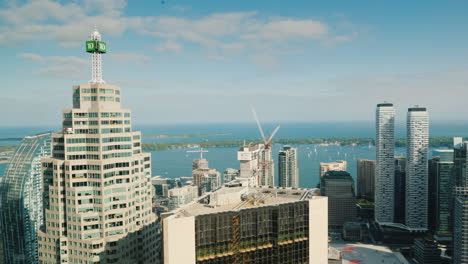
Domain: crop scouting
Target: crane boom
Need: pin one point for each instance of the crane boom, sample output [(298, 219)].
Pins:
[(268, 141), (259, 125)]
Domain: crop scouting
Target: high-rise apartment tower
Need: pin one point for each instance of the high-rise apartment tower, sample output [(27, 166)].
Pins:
[(417, 145), (287, 167), (385, 166)]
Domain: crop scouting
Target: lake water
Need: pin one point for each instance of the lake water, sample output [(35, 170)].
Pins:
[(177, 162)]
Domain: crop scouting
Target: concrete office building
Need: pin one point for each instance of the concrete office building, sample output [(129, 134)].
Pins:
[(97, 185), (230, 174), (21, 212), (400, 189), (339, 165), (460, 231), (248, 225), (206, 179), (266, 168), (182, 195), (365, 179), (338, 186), (417, 169), (287, 167), (384, 166), (248, 157), (440, 191)]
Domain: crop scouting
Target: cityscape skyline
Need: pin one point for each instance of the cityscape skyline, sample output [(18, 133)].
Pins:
[(91, 191), (313, 47)]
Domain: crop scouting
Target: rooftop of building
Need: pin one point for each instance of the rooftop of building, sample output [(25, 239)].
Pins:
[(367, 253), (242, 197), (417, 109), (337, 175), (384, 104)]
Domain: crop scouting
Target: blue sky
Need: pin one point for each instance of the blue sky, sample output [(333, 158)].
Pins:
[(210, 60)]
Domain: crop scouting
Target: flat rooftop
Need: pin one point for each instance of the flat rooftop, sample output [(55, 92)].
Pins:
[(238, 198), (357, 253)]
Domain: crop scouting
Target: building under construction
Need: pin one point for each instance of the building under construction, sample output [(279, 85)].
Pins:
[(248, 225)]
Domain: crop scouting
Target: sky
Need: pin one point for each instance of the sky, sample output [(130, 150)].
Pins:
[(209, 61)]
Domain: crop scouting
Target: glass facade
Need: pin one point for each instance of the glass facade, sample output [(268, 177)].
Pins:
[(21, 200)]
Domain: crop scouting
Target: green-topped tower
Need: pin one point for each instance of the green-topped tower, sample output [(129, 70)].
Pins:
[(97, 189)]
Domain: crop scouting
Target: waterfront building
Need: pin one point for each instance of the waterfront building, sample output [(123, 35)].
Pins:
[(97, 185), (266, 167), (248, 225), (417, 169), (460, 229), (365, 179), (248, 157), (440, 190), (182, 195), (338, 186), (339, 165), (384, 166), (400, 189), (287, 167), (21, 212), (230, 174)]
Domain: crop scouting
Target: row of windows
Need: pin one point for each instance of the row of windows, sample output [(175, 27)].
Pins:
[(103, 131), (94, 115), (83, 148), (117, 155), (116, 173), (82, 140), (85, 167), (116, 139), (116, 147), (83, 157)]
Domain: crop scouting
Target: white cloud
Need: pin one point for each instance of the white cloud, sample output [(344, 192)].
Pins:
[(228, 34), (289, 30), (55, 66), (169, 46), (129, 57)]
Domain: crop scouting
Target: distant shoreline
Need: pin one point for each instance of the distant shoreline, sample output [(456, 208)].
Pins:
[(400, 142)]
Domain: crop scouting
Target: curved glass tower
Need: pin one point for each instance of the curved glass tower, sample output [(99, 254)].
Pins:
[(21, 200)]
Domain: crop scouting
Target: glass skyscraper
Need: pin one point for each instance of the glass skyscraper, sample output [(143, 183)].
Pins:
[(21, 200)]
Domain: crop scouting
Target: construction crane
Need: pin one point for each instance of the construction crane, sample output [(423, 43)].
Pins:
[(201, 151), (266, 141)]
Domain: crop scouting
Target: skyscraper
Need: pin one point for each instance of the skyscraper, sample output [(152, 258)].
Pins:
[(385, 167), (440, 191), (400, 189), (248, 157), (97, 188), (417, 169), (460, 160), (460, 229), (338, 186), (365, 179), (266, 167), (339, 165), (287, 167), (21, 200)]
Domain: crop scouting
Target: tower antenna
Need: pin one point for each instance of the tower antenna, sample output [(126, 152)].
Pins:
[(96, 47)]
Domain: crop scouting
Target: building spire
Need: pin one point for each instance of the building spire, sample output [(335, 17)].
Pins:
[(96, 47)]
